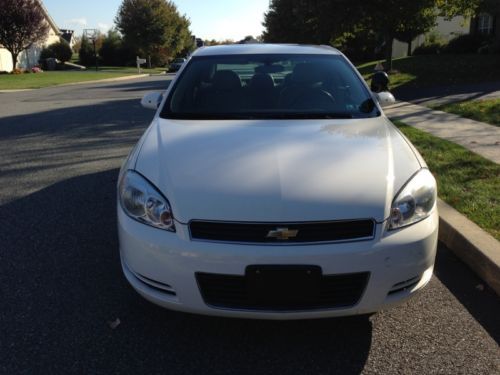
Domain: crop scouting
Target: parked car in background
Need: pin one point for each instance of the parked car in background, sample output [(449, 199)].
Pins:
[(271, 185), (176, 64)]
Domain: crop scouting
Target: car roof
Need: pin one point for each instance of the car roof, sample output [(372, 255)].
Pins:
[(261, 48)]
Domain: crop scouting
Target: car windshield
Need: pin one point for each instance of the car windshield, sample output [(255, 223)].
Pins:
[(269, 86)]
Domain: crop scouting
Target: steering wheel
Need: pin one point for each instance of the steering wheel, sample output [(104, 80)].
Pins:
[(314, 98)]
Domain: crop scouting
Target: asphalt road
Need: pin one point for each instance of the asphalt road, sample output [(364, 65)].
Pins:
[(61, 282)]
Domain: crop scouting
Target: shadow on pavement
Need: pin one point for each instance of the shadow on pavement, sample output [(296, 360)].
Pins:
[(158, 85), (446, 93), (61, 284), (484, 305)]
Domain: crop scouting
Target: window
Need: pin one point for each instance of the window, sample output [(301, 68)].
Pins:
[(485, 24), (269, 87)]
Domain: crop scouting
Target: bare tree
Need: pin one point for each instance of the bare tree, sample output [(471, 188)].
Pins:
[(22, 24)]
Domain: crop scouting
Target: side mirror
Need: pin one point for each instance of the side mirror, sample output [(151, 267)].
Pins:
[(152, 100), (385, 98)]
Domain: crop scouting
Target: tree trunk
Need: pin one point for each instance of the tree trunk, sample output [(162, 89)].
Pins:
[(389, 40), (14, 60), (409, 47)]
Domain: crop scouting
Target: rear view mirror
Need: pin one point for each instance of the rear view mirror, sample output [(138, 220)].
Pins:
[(152, 100), (380, 88)]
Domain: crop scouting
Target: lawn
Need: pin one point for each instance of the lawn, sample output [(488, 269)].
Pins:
[(45, 79), (481, 110), (39, 80), (466, 181), (439, 70)]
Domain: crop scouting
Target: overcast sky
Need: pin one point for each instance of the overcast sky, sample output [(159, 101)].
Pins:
[(210, 19)]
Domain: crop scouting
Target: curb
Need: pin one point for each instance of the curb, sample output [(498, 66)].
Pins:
[(105, 80), (123, 78), (478, 249)]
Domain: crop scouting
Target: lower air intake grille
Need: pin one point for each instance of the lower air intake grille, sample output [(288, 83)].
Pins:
[(237, 292), (282, 232)]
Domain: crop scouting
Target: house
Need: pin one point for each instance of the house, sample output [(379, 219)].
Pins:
[(486, 22), (444, 30), (30, 57), (68, 36)]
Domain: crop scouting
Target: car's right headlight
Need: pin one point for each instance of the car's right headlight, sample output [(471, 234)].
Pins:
[(143, 202), (415, 201)]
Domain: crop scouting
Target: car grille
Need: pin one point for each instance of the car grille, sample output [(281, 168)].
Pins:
[(301, 232), (232, 291)]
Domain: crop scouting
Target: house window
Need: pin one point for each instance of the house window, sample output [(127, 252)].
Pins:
[(485, 23)]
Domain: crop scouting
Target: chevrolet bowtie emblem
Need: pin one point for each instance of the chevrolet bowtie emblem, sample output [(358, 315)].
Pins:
[(282, 234)]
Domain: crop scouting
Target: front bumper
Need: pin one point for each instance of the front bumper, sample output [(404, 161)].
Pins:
[(161, 266)]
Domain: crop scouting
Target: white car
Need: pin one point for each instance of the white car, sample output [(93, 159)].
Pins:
[(271, 185)]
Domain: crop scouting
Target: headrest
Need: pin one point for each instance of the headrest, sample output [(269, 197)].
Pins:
[(262, 81), (306, 73), (226, 80)]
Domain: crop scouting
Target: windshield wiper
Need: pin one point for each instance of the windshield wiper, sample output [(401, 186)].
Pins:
[(259, 116)]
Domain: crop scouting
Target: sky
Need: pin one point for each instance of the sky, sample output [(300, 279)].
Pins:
[(210, 19)]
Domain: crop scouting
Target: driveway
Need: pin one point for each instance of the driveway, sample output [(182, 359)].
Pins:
[(61, 282)]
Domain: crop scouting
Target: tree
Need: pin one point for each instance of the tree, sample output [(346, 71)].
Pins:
[(340, 22), (86, 53), (420, 23), (22, 24), (311, 21), (153, 28)]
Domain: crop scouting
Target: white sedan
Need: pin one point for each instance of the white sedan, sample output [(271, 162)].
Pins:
[(271, 185)]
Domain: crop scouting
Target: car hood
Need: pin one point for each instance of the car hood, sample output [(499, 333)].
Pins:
[(277, 170)]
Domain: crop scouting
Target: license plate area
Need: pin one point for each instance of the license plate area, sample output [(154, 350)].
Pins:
[(283, 286)]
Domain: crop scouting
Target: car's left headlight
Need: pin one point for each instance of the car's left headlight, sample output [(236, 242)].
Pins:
[(415, 201), (143, 202)]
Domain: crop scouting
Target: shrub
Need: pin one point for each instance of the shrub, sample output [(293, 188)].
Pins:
[(59, 50), (62, 51), (113, 51), (86, 53), (46, 53), (493, 47), (428, 49), (466, 44)]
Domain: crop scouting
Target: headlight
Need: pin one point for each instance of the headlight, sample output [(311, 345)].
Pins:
[(415, 201), (143, 202)]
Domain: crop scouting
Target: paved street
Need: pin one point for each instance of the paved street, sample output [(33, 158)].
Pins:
[(61, 282)]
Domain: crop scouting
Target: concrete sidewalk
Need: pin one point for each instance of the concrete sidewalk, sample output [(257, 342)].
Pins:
[(481, 138)]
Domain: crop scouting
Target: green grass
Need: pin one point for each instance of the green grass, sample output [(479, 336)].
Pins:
[(481, 110), (439, 70), (466, 181), (46, 79)]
